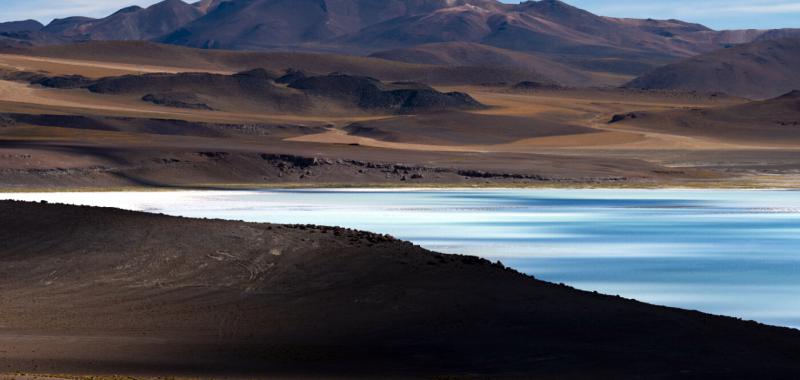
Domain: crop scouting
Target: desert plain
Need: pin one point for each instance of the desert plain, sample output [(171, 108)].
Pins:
[(523, 135)]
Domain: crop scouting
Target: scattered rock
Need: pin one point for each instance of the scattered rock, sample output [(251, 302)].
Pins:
[(176, 100), (531, 86), (620, 117)]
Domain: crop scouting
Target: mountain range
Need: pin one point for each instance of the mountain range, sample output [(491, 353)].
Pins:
[(560, 41), (369, 26), (757, 70)]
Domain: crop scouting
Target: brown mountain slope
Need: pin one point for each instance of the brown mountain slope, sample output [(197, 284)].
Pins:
[(770, 122), (548, 26), (105, 291), (478, 55), (271, 24), (208, 5), (757, 70), (61, 26), (777, 34), (20, 26), (573, 35), (553, 27), (147, 53), (132, 23), (365, 26)]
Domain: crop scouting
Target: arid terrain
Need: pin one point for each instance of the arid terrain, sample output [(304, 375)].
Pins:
[(76, 117), (234, 94), (103, 291)]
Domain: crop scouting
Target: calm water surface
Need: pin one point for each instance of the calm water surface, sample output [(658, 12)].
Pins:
[(725, 252)]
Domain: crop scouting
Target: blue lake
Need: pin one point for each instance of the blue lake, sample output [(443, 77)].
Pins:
[(730, 252)]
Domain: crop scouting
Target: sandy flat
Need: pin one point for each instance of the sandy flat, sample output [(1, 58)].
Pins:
[(90, 69), (337, 136)]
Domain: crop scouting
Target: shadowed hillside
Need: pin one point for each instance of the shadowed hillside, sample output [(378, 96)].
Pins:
[(774, 121), (758, 70), (147, 53), (116, 291), (131, 23), (20, 26), (456, 54), (550, 28)]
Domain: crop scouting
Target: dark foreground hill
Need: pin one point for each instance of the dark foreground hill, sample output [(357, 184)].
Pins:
[(88, 290), (758, 70)]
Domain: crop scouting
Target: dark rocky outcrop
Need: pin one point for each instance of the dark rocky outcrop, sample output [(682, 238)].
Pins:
[(204, 90), (291, 75), (64, 81), (371, 94), (6, 121), (532, 86), (620, 117), (41, 79), (177, 100)]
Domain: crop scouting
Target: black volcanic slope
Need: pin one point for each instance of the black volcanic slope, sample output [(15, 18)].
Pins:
[(89, 290), (758, 70)]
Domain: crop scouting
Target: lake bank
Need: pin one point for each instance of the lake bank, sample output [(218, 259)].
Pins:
[(684, 248), (103, 291)]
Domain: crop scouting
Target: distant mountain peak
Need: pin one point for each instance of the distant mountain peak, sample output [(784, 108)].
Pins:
[(553, 8), (20, 26), (131, 9), (551, 27), (130, 23)]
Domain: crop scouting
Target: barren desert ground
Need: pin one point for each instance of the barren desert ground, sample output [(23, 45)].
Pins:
[(553, 193), (98, 291), (543, 137)]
